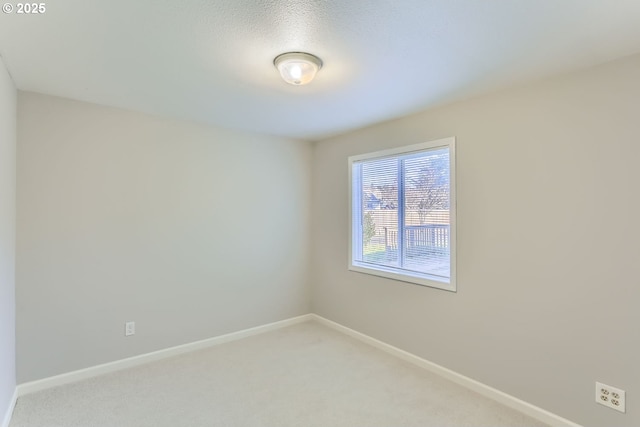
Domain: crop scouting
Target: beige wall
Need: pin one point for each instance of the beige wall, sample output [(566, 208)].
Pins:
[(548, 243), (7, 239), (193, 232), (187, 230)]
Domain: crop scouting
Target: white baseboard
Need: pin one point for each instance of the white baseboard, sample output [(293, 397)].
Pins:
[(9, 413), (94, 371), (483, 389)]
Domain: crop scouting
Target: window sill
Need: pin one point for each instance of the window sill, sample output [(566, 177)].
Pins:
[(416, 278)]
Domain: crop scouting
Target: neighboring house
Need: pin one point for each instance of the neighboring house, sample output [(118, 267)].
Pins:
[(372, 202)]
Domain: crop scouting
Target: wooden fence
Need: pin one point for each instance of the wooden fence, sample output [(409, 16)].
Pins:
[(435, 236)]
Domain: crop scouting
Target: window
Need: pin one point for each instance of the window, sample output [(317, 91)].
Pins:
[(402, 213)]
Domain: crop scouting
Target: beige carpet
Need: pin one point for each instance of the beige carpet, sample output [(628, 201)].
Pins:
[(303, 375)]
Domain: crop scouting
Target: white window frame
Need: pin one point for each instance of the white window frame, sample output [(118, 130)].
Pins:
[(391, 273)]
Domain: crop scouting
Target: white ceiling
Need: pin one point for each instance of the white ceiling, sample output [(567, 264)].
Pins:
[(211, 60)]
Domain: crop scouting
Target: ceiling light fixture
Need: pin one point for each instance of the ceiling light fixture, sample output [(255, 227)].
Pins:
[(297, 68)]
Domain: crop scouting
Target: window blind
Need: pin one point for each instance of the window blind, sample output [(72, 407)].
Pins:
[(401, 213)]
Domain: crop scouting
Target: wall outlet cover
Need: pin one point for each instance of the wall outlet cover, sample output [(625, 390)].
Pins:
[(611, 397), (129, 328)]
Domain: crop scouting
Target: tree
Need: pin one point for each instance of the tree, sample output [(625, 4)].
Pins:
[(430, 187), (368, 229)]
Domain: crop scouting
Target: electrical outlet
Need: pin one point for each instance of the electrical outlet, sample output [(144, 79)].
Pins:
[(129, 328), (609, 396)]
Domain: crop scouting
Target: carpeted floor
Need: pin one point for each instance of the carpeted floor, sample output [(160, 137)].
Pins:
[(302, 375)]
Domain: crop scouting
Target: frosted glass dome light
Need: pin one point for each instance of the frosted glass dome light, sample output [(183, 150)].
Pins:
[(297, 68)]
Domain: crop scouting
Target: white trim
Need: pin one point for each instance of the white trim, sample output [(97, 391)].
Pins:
[(453, 216), (406, 149), (12, 405), (483, 389), (105, 368)]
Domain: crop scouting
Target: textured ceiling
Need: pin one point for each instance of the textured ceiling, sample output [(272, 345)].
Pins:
[(211, 60)]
